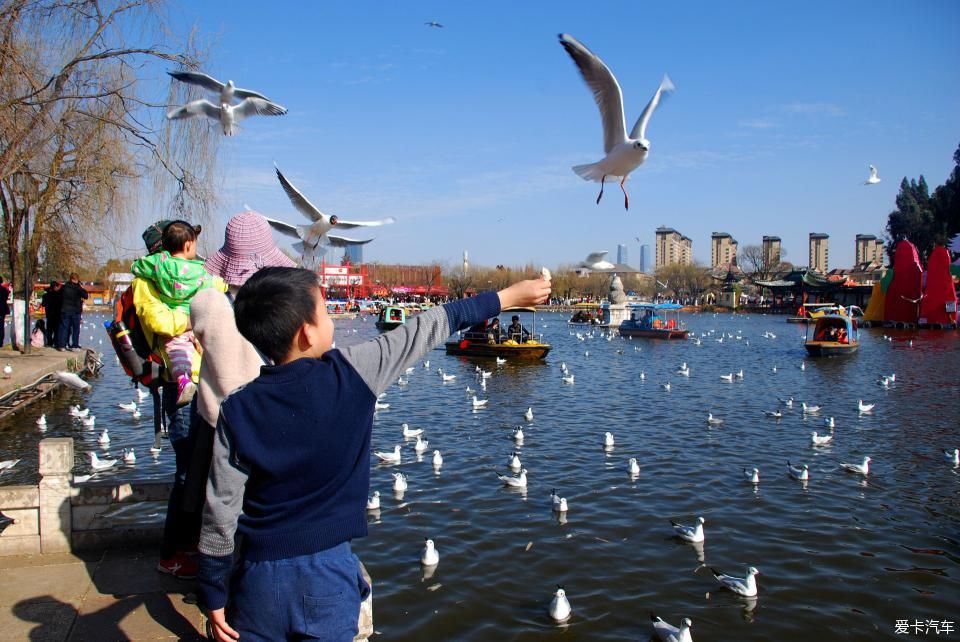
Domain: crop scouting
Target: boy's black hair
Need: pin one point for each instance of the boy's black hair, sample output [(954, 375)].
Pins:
[(175, 236), (272, 305)]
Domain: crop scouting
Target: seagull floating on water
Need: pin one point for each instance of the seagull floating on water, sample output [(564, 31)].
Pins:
[(865, 407), (810, 410), (518, 435), (623, 154), (421, 445), (773, 414), (129, 456), (479, 403), (437, 459), (446, 377), (560, 606), (399, 482), (952, 456), (820, 440), (528, 415), (801, 472), (430, 556), (390, 458), (100, 464), (104, 438), (608, 441), (669, 633), (830, 423), (42, 420), (128, 407), (788, 402), (666, 386), (860, 469), (689, 533), (747, 587), (500, 361), (713, 421), (373, 503), (514, 482), (7, 464), (727, 377), (411, 432), (88, 421), (567, 378), (142, 394), (515, 464), (752, 475), (633, 468)]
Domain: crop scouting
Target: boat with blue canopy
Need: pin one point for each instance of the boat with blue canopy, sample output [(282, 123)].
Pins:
[(654, 321)]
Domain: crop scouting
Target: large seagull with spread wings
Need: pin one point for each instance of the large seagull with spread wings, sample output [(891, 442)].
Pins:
[(623, 153)]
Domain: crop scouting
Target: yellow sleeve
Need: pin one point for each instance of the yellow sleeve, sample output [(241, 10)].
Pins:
[(155, 317)]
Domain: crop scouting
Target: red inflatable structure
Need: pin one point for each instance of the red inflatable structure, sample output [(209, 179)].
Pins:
[(902, 304), (939, 304)]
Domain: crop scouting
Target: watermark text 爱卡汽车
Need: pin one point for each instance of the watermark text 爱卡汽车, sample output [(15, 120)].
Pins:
[(924, 627)]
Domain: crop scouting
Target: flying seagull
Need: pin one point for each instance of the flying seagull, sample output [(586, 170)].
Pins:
[(623, 154), (228, 115), (596, 261), (434, 24), (874, 179), (321, 223), (227, 91)]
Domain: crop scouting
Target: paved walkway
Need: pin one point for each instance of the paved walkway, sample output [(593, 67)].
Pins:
[(27, 368), (115, 595)]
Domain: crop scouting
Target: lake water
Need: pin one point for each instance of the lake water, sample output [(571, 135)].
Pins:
[(840, 556)]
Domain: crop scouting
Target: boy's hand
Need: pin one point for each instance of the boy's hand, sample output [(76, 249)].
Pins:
[(219, 629), (524, 294)]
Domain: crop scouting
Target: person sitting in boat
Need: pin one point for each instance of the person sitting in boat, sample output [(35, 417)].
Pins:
[(494, 332), (477, 330), (395, 315), (516, 331), (842, 336)]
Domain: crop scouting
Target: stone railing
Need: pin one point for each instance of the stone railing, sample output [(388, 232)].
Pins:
[(57, 516)]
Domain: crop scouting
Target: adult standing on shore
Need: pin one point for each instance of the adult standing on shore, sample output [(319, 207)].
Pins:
[(4, 309), (52, 301), (71, 313)]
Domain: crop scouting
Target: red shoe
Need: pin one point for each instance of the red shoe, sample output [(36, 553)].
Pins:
[(180, 566)]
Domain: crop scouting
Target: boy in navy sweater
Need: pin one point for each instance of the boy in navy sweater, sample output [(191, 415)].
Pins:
[(291, 461)]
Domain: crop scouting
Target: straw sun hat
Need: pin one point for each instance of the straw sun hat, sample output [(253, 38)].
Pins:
[(247, 247)]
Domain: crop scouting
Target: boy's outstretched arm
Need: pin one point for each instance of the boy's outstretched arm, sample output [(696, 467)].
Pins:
[(381, 361)]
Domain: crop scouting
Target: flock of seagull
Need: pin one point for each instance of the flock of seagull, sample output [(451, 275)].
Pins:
[(560, 609)]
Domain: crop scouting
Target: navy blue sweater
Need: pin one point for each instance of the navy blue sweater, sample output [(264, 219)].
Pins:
[(291, 463)]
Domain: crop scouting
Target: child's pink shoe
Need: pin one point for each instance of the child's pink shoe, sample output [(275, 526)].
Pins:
[(185, 390)]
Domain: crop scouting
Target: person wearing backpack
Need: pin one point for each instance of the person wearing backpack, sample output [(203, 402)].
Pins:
[(181, 529)]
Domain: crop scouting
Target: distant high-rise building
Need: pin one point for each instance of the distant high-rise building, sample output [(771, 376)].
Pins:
[(869, 249), (771, 250), (622, 254), (672, 247), (644, 258), (354, 253), (820, 252), (723, 249)]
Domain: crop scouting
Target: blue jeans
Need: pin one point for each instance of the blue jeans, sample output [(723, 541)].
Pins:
[(181, 528), (311, 597), (69, 335)]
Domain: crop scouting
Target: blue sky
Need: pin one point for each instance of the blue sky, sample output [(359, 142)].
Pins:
[(466, 134)]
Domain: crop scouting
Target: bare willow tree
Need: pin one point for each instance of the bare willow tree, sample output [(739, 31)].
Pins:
[(758, 264), (82, 134)]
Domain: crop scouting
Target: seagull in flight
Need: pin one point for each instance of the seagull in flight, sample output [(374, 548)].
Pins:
[(227, 91), (596, 261), (316, 235), (434, 24), (623, 153), (874, 179), (228, 115)]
